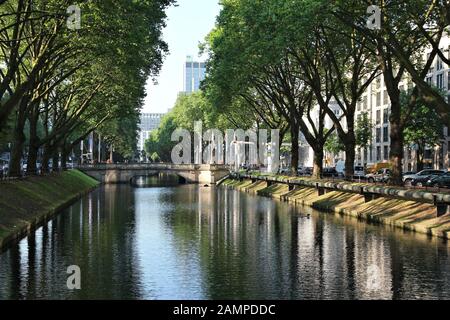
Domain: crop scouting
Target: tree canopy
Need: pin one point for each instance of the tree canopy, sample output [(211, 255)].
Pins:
[(61, 83)]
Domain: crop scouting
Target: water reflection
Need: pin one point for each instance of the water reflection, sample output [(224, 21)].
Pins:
[(94, 234), (192, 242)]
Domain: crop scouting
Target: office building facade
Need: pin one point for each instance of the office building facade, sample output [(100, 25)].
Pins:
[(193, 74), (149, 123), (376, 103)]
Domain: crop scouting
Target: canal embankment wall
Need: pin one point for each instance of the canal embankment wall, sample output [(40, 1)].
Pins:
[(412, 215), (26, 204)]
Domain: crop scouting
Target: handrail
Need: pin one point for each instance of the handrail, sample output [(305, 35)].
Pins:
[(150, 166), (343, 186)]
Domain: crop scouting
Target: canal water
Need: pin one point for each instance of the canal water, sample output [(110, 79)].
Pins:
[(193, 242)]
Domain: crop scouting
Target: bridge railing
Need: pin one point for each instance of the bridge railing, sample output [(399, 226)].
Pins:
[(151, 166), (370, 192)]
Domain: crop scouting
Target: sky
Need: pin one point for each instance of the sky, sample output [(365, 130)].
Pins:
[(187, 26)]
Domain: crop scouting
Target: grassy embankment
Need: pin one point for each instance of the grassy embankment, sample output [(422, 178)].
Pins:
[(24, 204), (408, 215)]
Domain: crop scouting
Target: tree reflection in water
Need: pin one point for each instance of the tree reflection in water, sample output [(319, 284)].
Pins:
[(192, 242)]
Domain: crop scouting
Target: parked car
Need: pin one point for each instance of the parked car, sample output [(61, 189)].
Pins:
[(409, 176), (286, 171), (359, 171), (421, 178), (330, 173), (374, 168), (4, 168), (442, 181), (382, 175), (308, 171)]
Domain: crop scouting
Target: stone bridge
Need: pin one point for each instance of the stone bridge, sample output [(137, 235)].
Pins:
[(124, 173)]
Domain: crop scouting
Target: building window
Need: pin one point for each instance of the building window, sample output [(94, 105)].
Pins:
[(385, 134), (429, 80), (440, 81), (439, 64), (448, 80), (378, 135), (386, 153), (378, 153), (378, 99), (386, 116), (378, 117), (385, 98), (365, 101)]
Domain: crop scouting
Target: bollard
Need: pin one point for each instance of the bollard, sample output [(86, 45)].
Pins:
[(442, 208), (320, 190)]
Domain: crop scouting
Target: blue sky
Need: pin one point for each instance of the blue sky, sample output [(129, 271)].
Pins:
[(187, 26)]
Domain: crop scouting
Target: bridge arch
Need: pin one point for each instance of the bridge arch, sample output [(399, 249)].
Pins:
[(162, 176), (124, 173)]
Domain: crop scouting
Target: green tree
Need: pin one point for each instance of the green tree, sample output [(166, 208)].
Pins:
[(399, 43), (424, 129), (334, 144), (160, 141), (63, 84), (364, 128), (258, 35), (188, 109)]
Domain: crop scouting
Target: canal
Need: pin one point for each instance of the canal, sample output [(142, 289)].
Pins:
[(192, 242)]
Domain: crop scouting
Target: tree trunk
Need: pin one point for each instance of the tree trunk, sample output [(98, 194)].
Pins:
[(420, 157), (350, 155), (64, 156), (32, 158), (55, 160), (34, 146), (295, 149), (396, 154), (318, 162), (46, 158), (15, 167)]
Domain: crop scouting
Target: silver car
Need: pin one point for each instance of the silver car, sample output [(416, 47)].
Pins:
[(422, 175)]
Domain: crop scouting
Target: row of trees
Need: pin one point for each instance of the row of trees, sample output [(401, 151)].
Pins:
[(285, 61), (67, 71), (188, 109)]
